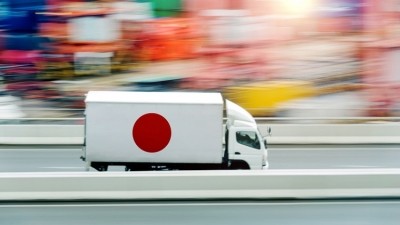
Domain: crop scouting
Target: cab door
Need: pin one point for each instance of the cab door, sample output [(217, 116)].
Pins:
[(245, 145)]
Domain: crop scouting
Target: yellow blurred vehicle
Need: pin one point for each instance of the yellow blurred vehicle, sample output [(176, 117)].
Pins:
[(263, 98)]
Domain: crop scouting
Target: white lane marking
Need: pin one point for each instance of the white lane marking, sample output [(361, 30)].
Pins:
[(199, 204)]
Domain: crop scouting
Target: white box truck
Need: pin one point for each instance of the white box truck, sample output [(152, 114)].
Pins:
[(169, 131)]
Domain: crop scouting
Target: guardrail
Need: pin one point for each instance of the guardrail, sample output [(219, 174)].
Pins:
[(179, 185), (371, 133), (327, 120)]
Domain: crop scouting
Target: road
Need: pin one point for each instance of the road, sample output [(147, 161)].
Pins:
[(288, 212), (360, 212), (56, 159)]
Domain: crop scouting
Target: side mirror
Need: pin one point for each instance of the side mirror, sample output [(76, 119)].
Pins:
[(269, 131)]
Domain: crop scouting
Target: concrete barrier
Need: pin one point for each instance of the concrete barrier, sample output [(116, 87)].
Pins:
[(379, 133), (385, 133), (170, 185), (42, 134)]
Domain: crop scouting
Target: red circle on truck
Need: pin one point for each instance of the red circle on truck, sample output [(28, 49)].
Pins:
[(151, 132)]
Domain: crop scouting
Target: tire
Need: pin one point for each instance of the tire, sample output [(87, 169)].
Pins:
[(239, 165), (100, 166)]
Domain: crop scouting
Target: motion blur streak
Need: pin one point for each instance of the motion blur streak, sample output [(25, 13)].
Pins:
[(275, 58)]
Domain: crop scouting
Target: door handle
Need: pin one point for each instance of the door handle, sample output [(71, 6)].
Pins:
[(237, 153)]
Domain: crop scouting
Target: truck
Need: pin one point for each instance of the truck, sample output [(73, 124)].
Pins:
[(179, 130)]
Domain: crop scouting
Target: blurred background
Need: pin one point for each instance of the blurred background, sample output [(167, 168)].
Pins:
[(276, 58)]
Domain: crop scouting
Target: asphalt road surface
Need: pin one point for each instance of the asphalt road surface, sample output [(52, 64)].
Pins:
[(57, 159), (356, 212)]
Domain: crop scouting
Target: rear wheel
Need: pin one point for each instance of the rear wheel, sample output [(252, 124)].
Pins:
[(138, 168), (100, 166)]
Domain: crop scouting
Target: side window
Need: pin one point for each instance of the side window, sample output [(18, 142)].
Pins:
[(248, 138)]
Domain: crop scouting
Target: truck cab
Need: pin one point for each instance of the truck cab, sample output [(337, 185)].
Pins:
[(244, 143)]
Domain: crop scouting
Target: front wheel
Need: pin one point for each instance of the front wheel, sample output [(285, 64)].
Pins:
[(239, 165)]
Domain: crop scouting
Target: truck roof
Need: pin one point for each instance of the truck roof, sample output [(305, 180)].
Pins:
[(154, 97)]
